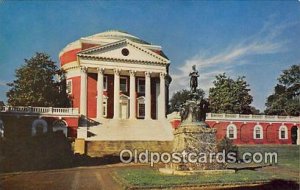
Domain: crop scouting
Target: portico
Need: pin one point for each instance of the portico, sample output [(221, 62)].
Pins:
[(128, 98)]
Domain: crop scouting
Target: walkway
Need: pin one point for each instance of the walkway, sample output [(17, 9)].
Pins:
[(98, 178)]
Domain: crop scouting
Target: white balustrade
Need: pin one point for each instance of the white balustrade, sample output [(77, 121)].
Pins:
[(245, 117), (39, 110)]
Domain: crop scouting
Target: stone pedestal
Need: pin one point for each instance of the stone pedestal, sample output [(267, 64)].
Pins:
[(197, 138)]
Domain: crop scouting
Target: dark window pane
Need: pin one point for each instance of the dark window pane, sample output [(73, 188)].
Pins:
[(141, 110)]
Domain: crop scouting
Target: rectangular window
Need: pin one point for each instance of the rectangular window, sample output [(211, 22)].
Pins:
[(141, 85), (123, 84), (257, 133), (141, 110), (105, 83), (282, 134), (69, 87), (231, 135)]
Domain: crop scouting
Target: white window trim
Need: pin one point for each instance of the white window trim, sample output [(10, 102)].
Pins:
[(71, 86), (142, 100), (105, 85), (36, 123), (261, 131), (126, 84), (138, 87), (234, 131), (63, 128), (286, 132)]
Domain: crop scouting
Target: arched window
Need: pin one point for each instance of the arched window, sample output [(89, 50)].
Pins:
[(258, 132), (283, 132), (231, 131), (60, 125), (39, 126)]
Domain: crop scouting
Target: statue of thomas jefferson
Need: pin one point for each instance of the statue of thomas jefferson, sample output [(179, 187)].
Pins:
[(194, 79)]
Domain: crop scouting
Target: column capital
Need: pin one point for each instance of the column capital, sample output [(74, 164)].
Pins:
[(148, 73), (132, 73), (162, 75), (83, 69), (117, 71), (100, 70)]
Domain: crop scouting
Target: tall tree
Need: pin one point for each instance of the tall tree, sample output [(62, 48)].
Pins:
[(180, 97), (38, 83), (230, 96), (286, 97)]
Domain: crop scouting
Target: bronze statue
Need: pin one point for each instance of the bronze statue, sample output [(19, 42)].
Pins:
[(194, 79), (194, 109)]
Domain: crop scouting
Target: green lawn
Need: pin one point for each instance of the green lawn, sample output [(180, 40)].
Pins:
[(288, 155), (286, 169), (152, 177)]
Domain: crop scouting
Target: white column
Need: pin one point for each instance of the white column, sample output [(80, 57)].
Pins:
[(116, 94), (147, 96), (162, 97), (83, 91), (298, 136), (132, 96), (100, 93)]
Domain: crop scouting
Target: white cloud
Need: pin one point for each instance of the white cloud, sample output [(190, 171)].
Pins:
[(2, 83), (209, 65)]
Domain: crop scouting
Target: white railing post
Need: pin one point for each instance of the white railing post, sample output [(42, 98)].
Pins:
[(208, 115)]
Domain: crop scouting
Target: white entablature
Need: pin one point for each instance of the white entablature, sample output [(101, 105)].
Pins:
[(123, 51)]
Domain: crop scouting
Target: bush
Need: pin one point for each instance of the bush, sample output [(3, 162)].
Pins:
[(47, 151), (227, 145)]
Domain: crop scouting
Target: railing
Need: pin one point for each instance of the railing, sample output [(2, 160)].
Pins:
[(39, 110), (215, 116), (243, 117)]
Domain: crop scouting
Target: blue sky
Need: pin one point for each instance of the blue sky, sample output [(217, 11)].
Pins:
[(257, 39)]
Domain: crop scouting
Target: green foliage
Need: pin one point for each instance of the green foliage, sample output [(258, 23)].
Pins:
[(37, 84), (180, 97), (227, 145), (230, 96), (47, 151), (286, 97)]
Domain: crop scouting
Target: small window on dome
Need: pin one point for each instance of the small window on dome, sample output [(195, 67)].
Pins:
[(125, 51)]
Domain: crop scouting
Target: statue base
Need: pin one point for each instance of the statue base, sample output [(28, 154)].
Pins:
[(199, 139)]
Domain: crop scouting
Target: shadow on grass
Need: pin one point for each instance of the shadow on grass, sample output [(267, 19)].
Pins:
[(44, 152), (277, 184)]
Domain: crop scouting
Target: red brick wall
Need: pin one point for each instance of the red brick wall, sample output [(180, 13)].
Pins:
[(72, 126), (92, 95), (245, 131), (75, 96), (69, 56)]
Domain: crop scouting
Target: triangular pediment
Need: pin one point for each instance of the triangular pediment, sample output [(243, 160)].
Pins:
[(123, 50)]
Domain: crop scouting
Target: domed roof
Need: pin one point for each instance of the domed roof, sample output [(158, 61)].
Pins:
[(117, 35)]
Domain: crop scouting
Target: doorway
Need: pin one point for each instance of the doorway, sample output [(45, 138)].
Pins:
[(124, 111), (294, 134)]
